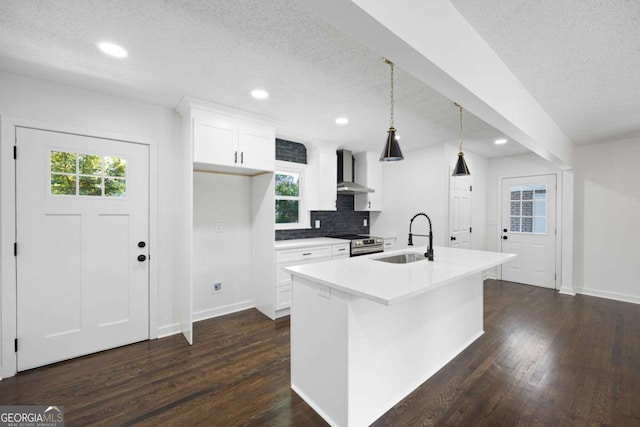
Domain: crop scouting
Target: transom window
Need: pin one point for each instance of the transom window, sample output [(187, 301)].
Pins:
[(77, 174), (528, 209)]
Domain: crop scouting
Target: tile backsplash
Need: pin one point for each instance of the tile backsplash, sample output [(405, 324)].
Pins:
[(342, 221)]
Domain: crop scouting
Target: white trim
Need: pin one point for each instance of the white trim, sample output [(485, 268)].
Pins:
[(168, 330), (608, 295), (222, 311), (304, 216), (188, 103), (560, 222), (490, 274), (568, 194), (8, 319)]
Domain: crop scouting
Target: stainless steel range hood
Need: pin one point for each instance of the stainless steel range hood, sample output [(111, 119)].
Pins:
[(345, 175)]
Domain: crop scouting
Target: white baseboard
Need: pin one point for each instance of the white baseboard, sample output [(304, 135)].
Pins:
[(608, 295), (168, 330), (490, 274), (221, 311), (174, 328)]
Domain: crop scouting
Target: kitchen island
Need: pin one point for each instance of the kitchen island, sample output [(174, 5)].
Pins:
[(366, 333)]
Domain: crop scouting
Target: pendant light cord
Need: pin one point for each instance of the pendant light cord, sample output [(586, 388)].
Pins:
[(460, 107), (391, 92)]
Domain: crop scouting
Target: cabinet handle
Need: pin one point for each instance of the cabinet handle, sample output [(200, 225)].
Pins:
[(341, 250), (369, 204), (308, 253), (235, 157), (242, 157)]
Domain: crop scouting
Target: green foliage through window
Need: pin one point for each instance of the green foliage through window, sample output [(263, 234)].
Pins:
[(87, 175), (287, 192)]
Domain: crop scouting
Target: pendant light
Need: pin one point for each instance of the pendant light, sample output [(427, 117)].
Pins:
[(391, 150), (461, 168)]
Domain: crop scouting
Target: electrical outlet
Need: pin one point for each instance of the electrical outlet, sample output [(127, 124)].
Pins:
[(218, 227), (217, 287), (317, 223), (364, 222)]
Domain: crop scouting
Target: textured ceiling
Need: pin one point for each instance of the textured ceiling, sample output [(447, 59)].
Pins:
[(579, 59), (219, 51)]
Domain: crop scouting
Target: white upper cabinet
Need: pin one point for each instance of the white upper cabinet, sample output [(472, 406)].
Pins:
[(229, 141), (322, 174), (369, 174), (257, 146), (215, 140)]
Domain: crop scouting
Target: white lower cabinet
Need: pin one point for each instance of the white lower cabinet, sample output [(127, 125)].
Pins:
[(339, 251), (389, 243), (298, 256)]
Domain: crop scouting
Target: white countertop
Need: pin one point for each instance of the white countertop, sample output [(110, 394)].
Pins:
[(302, 243), (388, 283)]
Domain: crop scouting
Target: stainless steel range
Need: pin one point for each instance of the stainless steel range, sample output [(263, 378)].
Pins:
[(363, 244)]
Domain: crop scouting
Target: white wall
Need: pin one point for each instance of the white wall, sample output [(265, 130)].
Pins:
[(416, 184), (478, 166), (221, 256), (607, 220), (37, 100), (502, 167), (420, 183)]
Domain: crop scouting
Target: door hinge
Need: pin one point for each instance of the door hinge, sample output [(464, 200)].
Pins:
[(15, 345), (15, 152), (15, 249), (471, 188), (470, 229)]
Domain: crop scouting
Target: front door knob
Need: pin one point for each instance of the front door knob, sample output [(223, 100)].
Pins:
[(141, 244), (453, 238), (142, 258), (504, 237)]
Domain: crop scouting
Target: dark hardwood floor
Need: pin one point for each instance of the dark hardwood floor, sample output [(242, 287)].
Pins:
[(545, 359)]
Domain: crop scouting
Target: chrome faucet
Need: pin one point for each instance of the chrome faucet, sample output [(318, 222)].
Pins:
[(429, 253)]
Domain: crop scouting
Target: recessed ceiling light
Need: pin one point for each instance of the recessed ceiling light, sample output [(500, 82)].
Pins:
[(342, 121), (259, 94), (113, 50), (500, 141)]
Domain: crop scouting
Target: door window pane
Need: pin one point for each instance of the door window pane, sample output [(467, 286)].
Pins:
[(90, 186), (78, 174), (114, 187), (63, 162), (528, 208), (89, 164), (63, 184)]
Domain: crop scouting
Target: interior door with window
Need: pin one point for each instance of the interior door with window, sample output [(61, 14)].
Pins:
[(529, 229), (460, 212), (82, 245)]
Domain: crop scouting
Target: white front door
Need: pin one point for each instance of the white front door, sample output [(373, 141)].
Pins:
[(529, 229), (82, 233), (460, 212)]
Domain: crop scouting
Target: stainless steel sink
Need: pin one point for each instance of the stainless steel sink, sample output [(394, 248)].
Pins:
[(404, 258)]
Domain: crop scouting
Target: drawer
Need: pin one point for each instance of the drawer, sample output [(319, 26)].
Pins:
[(283, 297), (340, 251), (303, 254), (389, 243)]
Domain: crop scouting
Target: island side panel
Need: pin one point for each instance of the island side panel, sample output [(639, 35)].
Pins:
[(393, 349), (319, 348)]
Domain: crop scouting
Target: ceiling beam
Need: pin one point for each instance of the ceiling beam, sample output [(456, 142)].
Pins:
[(433, 42)]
